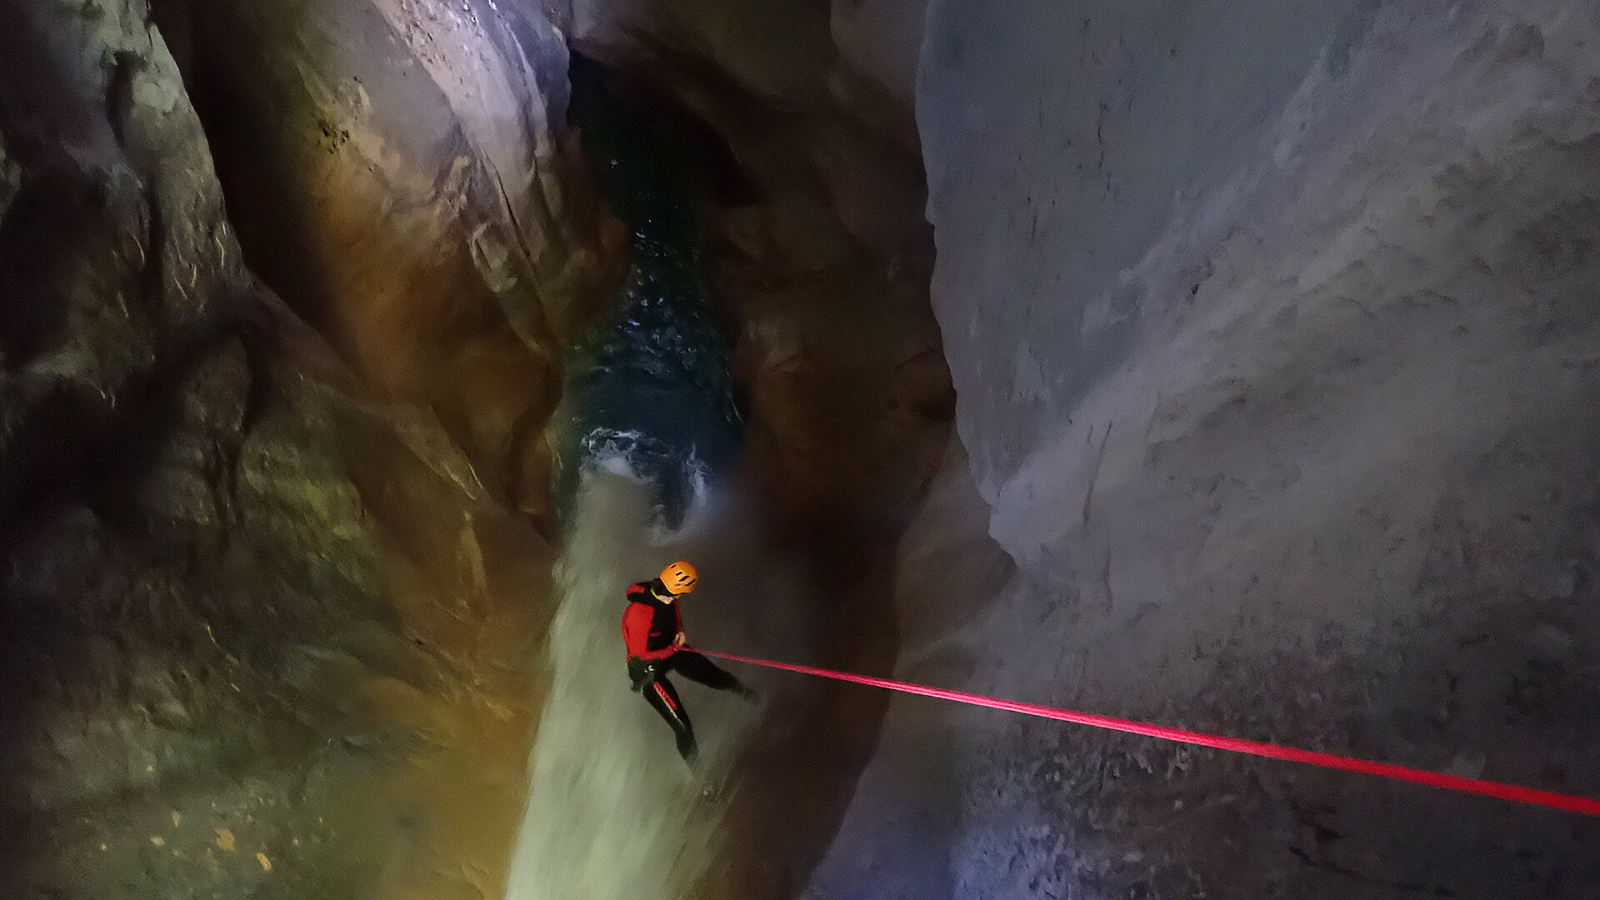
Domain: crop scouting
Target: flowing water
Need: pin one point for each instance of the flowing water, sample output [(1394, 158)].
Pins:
[(613, 811), (651, 423), (651, 390)]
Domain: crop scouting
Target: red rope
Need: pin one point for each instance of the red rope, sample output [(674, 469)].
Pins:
[(1511, 792)]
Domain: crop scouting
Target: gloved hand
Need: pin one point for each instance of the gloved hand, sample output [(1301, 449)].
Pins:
[(641, 672)]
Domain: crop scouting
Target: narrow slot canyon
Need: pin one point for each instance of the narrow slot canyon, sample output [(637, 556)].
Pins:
[(1232, 367)]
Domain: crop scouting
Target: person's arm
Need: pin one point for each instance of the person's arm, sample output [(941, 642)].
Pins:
[(636, 633), (681, 639)]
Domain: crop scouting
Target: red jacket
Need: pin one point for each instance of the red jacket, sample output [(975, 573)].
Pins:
[(649, 627)]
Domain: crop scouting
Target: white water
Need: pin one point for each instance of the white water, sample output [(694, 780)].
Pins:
[(613, 812)]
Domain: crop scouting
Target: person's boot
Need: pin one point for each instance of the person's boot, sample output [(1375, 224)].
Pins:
[(689, 750)]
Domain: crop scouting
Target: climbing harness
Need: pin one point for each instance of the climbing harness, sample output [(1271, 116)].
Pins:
[(1498, 790)]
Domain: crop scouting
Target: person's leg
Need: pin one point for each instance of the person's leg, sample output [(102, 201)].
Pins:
[(697, 668), (664, 698)]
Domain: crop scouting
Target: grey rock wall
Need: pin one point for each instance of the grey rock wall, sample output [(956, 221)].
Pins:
[(1273, 330)]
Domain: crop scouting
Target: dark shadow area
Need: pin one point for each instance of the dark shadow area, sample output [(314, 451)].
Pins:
[(652, 382), (99, 372)]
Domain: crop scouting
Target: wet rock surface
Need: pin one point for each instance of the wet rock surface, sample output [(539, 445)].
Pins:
[(267, 629), (402, 177)]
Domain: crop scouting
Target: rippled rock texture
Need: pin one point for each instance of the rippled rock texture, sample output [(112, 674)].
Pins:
[(275, 490)]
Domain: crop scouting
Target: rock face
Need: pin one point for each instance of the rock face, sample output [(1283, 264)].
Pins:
[(818, 256), (817, 245), (1274, 335), (1276, 346), (286, 287), (400, 176), (273, 593)]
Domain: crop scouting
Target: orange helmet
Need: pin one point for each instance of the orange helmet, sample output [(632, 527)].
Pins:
[(679, 577)]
